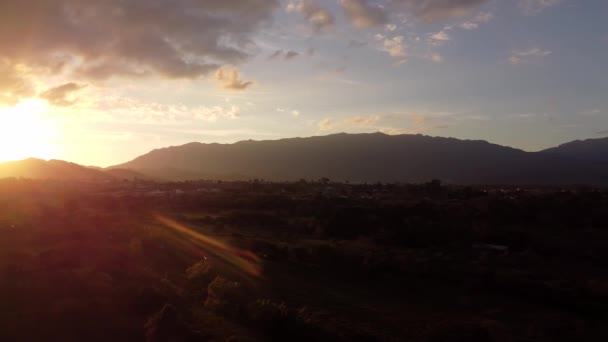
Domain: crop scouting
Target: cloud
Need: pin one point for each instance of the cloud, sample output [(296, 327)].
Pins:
[(212, 114), (436, 58), (533, 7), (112, 107), (413, 123), (354, 122), (276, 54), (395, 47), (285, 55), (605, 132), (231, 79), (592, 112), (337, 75), (319, 17), (482, 17), (398, 123), (526, 56), (361, 14), (62, 95), (441, 36), (293, 112), (14, 84), (291, 55), (390, 27), (469, 25), (434, 10), (95, 40)]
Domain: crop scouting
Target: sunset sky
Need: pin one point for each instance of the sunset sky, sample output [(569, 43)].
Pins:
[(101, 82)]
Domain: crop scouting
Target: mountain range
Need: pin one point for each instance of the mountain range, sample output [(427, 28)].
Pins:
[(33, 168), (351, 157)]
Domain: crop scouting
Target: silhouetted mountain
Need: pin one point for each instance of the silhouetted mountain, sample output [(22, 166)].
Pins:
[(588, 150), (53, 169), (367, 158)]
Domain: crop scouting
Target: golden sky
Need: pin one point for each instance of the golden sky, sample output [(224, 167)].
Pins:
[(101, 82)]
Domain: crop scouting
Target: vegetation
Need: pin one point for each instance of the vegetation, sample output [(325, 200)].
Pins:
[(300, 261)]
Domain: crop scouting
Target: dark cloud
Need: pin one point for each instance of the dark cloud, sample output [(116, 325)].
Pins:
[(362, 14), (291, 55), (432, 10), (62, 95), (276, 54), (365, 14), (92, 39), (231, 79), (285, 55)]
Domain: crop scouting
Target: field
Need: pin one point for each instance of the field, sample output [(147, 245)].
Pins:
[(301, 261)]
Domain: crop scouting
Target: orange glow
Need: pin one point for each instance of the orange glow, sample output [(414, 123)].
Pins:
[(25, 133), (244, 261)]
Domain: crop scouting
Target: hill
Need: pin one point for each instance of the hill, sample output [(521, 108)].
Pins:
[(367, 158), (52, 169), (588, 150)]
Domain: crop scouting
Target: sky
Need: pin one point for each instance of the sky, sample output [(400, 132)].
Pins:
[(102, 82)]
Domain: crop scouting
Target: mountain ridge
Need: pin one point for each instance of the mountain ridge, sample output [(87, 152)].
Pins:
[(595, 149), (366, 157), (34, 168)]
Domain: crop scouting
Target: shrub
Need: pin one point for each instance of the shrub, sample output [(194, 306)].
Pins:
[(226, 296), (201, 274), (166, 325)]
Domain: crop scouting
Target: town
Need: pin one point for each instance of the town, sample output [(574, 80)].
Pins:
[(305, 260)]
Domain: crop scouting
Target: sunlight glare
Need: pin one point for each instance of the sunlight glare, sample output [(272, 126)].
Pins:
[(25, 132)]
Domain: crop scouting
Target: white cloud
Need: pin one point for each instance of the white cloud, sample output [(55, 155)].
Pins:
[(113, 108), (230, 79), (293, 112), (395, 47), (441, 36), (469, 25), (390, 27)]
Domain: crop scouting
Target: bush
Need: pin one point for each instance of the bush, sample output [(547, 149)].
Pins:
[(201, 274), (226, 296), (166, 325)]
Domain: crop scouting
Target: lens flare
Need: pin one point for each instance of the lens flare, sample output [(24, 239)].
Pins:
[(244, 261)]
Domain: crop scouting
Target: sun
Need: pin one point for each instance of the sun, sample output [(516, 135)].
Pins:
[(25, 132)]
